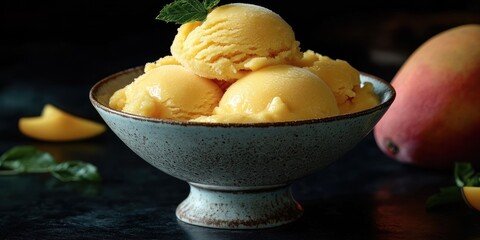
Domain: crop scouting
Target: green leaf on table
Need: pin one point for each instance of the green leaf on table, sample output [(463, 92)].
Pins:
[(446, 196), (184, 11), (18, 152), (26, 159), (76, 171), (464, 175)]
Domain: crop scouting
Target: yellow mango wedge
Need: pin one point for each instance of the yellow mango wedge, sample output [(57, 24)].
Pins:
[(56, 125), (471, 195)]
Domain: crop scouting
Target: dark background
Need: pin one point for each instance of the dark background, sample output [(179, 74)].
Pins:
[(54, 51), (101, 37), (45, 45)]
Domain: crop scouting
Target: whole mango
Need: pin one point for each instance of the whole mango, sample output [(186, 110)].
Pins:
[(435, 118)]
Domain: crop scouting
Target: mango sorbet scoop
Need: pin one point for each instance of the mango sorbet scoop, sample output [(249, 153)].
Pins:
[(234, 40)]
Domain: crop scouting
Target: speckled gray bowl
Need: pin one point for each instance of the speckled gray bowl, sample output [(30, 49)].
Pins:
[(239, 174)]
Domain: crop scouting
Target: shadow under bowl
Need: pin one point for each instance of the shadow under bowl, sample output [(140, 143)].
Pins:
[(239, 174)]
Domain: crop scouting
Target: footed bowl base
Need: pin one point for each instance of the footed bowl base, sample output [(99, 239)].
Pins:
[(239, 208)]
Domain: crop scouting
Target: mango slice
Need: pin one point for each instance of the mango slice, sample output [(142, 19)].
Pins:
[(56, 125), (471, 195)]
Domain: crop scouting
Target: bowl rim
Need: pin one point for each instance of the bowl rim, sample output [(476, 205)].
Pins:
[(96, 103)]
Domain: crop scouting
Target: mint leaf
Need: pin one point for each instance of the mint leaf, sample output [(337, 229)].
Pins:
[(75, 171), (445, 197), (184, 11), (28, 159), (209, 4), (465, 175), (17, 152)]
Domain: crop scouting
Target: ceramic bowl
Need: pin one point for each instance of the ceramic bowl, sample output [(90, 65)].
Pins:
[(239, 174)]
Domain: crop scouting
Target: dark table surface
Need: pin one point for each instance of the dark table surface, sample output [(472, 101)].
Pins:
[(54, 51)]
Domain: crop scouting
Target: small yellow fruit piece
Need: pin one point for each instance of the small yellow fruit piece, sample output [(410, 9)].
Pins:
[(471, 195), (57, 125)]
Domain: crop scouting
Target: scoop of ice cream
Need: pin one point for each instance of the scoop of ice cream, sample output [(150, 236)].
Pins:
[(168, 92), (170, 60), (365, 97), (166, 60), (274, 94), (343, 80), (339, 75), (235, 39)]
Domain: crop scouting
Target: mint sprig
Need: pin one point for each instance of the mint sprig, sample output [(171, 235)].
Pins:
[(184, 11), (464, 175), (28, 159), (76, 171)]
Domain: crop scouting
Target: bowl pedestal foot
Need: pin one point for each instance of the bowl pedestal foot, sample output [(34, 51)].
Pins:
[(239, 208)]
